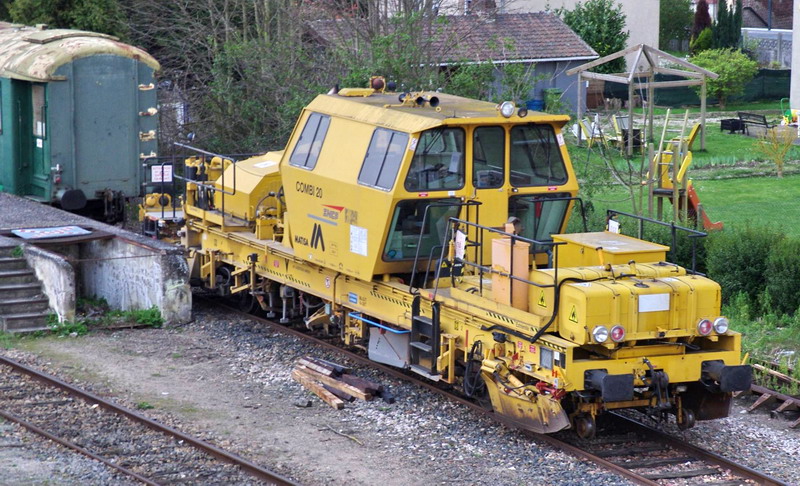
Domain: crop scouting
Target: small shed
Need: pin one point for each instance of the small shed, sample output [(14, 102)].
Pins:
[(77, 112)]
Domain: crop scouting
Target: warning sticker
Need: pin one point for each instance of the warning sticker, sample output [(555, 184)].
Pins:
[(573, 314), (542, 302)]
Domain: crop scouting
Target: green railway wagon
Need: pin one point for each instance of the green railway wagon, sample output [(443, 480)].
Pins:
[(78, 112)]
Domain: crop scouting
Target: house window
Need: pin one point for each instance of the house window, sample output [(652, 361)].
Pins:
[(383, 159), (37, 108), (306, 152)]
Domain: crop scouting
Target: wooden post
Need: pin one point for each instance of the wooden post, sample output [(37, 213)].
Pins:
[(651, 156), (630, 119), (703, 114), (580, 105), (650, 103)]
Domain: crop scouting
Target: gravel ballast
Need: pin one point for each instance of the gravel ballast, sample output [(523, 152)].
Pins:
[(228, 378)]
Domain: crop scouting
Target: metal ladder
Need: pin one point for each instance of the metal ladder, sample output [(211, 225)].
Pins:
[(425, 340)]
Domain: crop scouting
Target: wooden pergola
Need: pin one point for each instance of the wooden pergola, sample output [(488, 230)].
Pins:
[(695, 76)]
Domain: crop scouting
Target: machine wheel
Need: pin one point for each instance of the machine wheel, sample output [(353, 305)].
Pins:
[(688, 419), (585, 426)]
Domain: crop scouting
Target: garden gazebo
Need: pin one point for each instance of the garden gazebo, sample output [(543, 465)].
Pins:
[(650, 59)]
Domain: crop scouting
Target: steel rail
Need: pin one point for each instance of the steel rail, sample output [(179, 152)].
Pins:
[(251, 468), (703, 454), (75, 447)]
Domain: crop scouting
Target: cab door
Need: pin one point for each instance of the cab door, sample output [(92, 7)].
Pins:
[(489, 175)]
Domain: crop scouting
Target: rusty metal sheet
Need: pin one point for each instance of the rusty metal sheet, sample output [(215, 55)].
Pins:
[(33, 54)]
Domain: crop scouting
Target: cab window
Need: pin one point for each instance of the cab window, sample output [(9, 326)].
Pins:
[(407, 231), (383, 159), (438, 162), (536, 157), (306, 152), (488, 157), (540, 216)]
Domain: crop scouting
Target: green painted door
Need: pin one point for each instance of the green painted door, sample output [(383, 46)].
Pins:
[(40, 174)]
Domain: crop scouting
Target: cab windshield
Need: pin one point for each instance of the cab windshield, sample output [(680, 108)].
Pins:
[(536, 157)]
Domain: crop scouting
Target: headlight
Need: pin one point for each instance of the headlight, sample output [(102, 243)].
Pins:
[(506, 109), (704, 327), (522, 112), (721, 325), (617, 333), (600, 334)]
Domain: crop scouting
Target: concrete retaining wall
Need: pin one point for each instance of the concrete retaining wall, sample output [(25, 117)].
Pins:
[(57, 276), (131, 276)]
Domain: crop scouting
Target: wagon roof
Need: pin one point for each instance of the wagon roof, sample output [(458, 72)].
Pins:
[(34, 54)]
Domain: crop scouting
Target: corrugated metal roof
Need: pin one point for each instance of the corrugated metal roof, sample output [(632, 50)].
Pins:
[(33, 54)]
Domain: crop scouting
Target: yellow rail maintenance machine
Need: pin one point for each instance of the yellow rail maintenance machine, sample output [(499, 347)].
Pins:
[(428, 229)]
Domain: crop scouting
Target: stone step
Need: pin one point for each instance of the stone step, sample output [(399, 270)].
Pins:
[(20, 291), (9, 277), (11, 263), (16, 306), (7, 251), (27, 322)]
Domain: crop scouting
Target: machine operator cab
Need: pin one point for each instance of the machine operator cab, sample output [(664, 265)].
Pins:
[(372, 178), (516, 171)]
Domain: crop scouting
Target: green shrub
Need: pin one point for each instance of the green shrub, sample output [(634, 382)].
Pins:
[(783, 276), (737, 260), (702, 42)]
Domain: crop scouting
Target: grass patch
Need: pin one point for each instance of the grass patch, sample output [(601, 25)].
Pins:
[(145, 406)]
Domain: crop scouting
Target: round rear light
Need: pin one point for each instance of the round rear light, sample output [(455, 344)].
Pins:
[(704, 327), (721, 325), (600, 334), (617, 333)]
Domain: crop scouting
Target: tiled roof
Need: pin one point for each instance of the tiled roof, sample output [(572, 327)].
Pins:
[(498, 38), (756, 14)]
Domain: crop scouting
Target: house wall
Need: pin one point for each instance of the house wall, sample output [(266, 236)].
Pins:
[(642, 15)]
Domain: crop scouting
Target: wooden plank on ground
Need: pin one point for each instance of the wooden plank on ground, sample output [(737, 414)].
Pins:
[(317, 389), (362, 384), (777, 374), (330, 381), (682, 474), (344, 396), (761, 400), (325, 370), (339, 368)]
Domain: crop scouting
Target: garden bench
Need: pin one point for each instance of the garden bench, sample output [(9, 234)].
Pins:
[(755, 119)]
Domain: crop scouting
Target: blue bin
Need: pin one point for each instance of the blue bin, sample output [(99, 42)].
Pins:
[(535, 105)]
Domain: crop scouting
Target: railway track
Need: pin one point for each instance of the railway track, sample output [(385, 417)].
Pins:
[(662, 450), (133, 445)]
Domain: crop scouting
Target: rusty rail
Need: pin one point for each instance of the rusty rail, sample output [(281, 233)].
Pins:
[(254, 470)]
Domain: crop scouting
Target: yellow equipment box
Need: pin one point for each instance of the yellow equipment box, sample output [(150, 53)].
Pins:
[(581, 249)]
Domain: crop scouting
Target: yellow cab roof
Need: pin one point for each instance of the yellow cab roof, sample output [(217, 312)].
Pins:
[(386, 110)]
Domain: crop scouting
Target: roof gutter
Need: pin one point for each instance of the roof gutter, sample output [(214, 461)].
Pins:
[(515, 61)]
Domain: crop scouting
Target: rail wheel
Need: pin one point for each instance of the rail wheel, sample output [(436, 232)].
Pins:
[(585, 426), (687, 419)]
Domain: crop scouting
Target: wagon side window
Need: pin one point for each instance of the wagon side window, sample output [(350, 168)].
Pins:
[(306, 152), (38, 107), (1, 109), (383, 159)]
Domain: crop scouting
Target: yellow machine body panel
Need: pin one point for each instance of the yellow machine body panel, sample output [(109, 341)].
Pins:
[(247, 183)]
